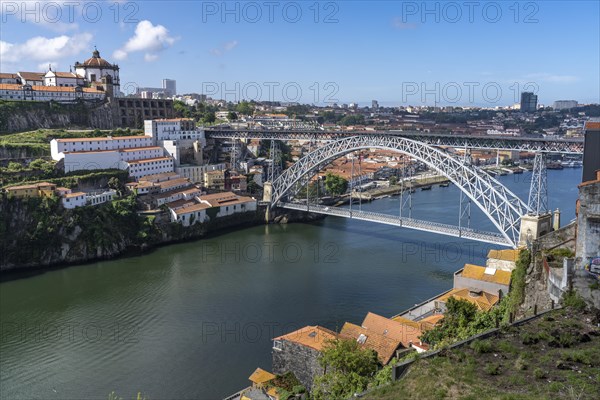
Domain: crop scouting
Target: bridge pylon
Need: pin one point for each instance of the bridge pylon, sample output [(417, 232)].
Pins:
[(538, 191)]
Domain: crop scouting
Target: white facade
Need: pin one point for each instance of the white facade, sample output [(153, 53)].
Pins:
[(140, 153), (58, 146), (29, 92), (91, 160), (140, 168), (107, 159), (229, 203), (63, 79), (236, 208), (73, 200), (96, 69), (168, 198), (190, 215), (195, 173), (174, 129), (191, 194), (172, 149), (99, 198)]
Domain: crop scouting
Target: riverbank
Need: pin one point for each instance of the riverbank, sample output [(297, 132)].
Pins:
[(417, 183), (39, 234)]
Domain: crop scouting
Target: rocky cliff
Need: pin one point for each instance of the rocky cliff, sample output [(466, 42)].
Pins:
[(20, 116), (38, 233)]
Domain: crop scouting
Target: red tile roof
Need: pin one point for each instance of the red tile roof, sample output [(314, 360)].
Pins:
[(315, 337), (384, 346)]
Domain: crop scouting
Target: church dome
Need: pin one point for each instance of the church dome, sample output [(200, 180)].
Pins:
[(97, 61)]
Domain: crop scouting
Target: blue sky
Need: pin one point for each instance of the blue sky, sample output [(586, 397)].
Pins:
[(350, 51)]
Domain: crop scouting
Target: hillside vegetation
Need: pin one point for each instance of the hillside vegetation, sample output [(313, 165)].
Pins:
[(556, 356)]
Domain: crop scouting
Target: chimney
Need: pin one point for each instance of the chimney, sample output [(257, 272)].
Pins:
[(556, 220)]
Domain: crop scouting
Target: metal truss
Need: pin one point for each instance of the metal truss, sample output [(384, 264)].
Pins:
[(487, 142), (538, 191), (498, 203), (275, 167), (411, 223)]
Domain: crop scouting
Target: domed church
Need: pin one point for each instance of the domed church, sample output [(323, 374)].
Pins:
[(100, 74)]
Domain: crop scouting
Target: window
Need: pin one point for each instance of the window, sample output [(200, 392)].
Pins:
[(277, 345), (361, 339)]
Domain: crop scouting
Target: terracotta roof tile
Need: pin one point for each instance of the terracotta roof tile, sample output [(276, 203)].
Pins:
[(504, 255), (314, 337), (403, 330), (261, 376), (484, 302), (385, 347), (486, 274)]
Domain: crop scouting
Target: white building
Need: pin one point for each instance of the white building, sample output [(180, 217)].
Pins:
[(100, 73), (72, 200), (190, 215), (140, 153), (58, 146), (195, 173), (63, 79), (31, 92), (92, 160), (94, 199), (229, 203), (140, 168), (31, 78), (173, 129)]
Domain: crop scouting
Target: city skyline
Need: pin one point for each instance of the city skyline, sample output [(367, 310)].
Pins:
[(413, 54)]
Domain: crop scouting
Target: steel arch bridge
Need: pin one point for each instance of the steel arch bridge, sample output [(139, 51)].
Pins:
[(498, 203)]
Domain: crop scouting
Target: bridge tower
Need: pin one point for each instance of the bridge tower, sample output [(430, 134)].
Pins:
[(538, 191), (538, 221)]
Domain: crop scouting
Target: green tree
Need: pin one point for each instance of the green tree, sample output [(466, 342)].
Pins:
[(181, 109), (209, 117), (458, 323), (350, 368), (232, 116), (335, 184), (245, 108), (353, 120), (14, 166), (116, 184), (393, 180)]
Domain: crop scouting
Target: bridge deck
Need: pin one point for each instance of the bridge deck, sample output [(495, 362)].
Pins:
[(411, 223), (565, 146)]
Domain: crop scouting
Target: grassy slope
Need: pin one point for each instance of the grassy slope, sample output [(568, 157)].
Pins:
[(44, 136), (554, 357)]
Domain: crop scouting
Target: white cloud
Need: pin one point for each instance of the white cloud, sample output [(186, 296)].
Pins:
[(219, 51), (44, 66), (148, 38), (42, 48), (120, 55), (230, 45)]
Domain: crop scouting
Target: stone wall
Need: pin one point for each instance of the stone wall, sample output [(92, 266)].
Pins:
[(588, 242), (301, 360)]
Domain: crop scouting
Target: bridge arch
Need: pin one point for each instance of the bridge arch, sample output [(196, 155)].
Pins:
[(498, 203)]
